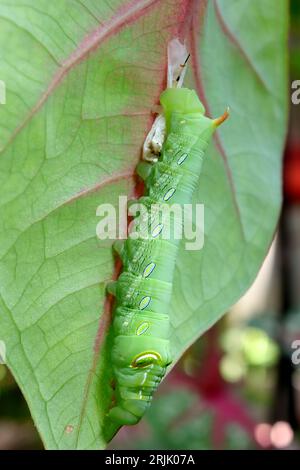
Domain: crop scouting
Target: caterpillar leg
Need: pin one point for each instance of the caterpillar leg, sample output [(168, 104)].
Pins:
[(143, 169), (111, 287), (131, 202), (121, 416), (118, 247)]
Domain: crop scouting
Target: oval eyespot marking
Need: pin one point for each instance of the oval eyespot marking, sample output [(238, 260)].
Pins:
[(146, 359), (182, 158), (169, 194), (145, 302), (142, 328), (149, 269), (157, 230)]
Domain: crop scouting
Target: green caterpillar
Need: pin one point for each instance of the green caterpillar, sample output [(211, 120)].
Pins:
[(141, 350)]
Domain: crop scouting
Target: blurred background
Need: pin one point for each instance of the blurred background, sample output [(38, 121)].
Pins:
[(238, 387)]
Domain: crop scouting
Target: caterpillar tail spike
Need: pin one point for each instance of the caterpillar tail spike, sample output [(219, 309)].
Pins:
[(222, 118)]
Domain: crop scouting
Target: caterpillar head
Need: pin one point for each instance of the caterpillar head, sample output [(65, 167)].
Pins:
[(183, 105)]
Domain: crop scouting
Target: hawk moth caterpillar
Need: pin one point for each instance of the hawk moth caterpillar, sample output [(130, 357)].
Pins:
[(173, 152)]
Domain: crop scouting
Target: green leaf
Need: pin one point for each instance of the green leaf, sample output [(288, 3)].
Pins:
[(81, 78)]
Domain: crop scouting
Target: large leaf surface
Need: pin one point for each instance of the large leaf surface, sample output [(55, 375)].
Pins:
[(82, 77)]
